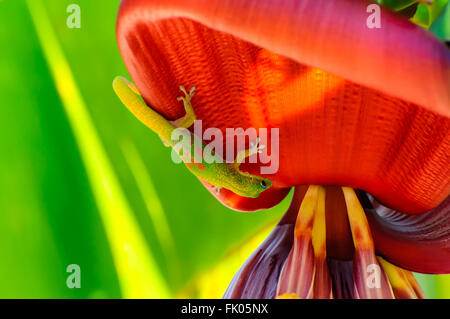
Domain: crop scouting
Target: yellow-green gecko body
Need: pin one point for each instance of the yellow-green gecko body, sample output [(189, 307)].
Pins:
[(215, 172)]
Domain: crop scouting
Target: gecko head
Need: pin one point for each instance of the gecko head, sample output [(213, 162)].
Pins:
[(258, 186), (264, 184)]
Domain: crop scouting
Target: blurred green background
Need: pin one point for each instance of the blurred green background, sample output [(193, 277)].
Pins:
[(83, 182)]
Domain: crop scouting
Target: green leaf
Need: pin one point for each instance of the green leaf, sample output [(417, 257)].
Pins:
[(396, 5), (426, 14), (137, 271), (441, 26)]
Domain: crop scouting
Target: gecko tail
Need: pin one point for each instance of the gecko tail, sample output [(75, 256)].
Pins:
[(129, 83), (130, 97)]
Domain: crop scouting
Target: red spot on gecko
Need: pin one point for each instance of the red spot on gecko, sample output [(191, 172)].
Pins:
[(200, 166)]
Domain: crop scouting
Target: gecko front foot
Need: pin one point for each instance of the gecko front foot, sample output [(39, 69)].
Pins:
[(187, 96), (256, 147), (188, 119)]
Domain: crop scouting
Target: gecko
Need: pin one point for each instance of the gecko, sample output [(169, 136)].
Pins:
[(217, 173)]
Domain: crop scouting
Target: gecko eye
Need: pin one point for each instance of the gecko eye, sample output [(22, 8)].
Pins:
[(263, 184)]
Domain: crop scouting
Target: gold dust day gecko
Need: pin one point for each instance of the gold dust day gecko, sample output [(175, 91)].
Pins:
[(217, 173)]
